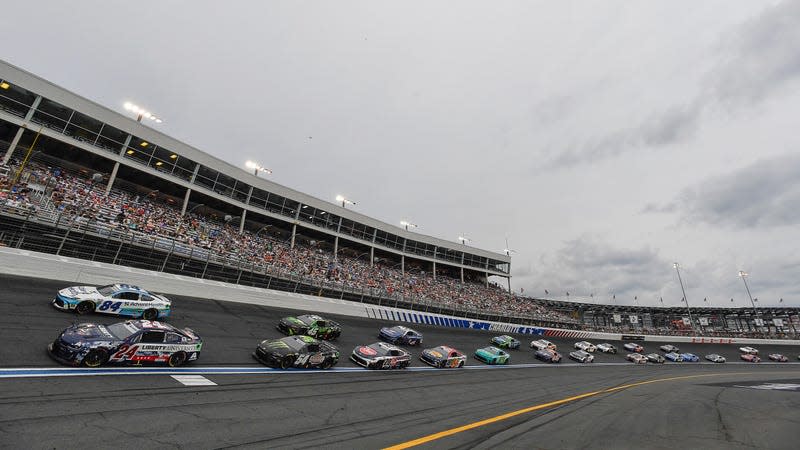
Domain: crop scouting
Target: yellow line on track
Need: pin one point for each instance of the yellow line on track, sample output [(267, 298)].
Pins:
[(480, 423)]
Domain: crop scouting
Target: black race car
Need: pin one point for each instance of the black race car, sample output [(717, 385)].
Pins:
[(380, 356), (310, 325), (302, 352), (134, 341), (655, 358)]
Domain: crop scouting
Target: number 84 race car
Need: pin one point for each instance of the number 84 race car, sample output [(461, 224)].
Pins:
[(134, 341), (115, 299)]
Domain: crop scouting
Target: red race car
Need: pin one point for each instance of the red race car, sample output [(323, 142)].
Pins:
[(750, 358)]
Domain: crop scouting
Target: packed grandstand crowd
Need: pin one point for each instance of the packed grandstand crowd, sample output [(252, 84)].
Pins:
[(41, 189), (74, 196)]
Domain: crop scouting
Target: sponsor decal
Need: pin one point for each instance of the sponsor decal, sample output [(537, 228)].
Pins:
[(711, 340), (316, 359), (435, 354), (367, 351), (632, 337)]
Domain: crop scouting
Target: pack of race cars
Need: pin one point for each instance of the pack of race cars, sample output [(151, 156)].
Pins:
[(145, 340)]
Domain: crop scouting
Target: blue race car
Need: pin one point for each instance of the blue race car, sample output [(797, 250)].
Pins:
[(674, 357), (549, 356), (115, 299), (690, 357), (399, 335)]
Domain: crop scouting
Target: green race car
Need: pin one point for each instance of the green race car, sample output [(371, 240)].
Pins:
[(310, 325), (491, 355), (505, 341)]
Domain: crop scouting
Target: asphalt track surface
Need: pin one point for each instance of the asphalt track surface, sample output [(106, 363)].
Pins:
[(694, 405)]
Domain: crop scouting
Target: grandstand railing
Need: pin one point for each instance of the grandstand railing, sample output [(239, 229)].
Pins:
[(22, 226)]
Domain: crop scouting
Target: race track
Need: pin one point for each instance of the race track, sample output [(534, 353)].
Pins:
[(695, 405)]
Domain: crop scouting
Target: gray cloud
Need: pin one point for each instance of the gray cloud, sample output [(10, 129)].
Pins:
[(759, 58), (764, 194)]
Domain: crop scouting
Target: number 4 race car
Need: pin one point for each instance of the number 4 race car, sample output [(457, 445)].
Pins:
[(380, 355), (296, 351), (117, 299), (134, 341), (491, 355), (310, 325)]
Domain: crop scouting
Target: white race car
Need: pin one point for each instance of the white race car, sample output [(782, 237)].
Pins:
[(542, 344), (585, 346), (605, 347), (115, 299), (715, 358), (581, 356), (748, 350), (636, 358)]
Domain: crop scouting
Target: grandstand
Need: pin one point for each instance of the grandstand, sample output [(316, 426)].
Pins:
[(78, 179)]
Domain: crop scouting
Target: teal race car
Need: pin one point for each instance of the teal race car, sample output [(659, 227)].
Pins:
[(505, 341), (492, 355)]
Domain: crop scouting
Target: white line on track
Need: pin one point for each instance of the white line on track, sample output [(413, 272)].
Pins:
[(42, 372), (194, 380)]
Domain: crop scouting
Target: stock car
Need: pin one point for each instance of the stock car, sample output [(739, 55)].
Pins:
[(117, 299), (550, 356), (443, 357), (132, 341), (543, 344), (749, 357), (669, 348), (380, 355), (690, 357), (582, 356), (674, 357), (605, 347), (715, 358), (748, 350), (636, 358), (634, 347), (655, 358), (586, 346), (505, 341), (778, 357), (400, 335), (297, 351), (492, 355), (310, 325)]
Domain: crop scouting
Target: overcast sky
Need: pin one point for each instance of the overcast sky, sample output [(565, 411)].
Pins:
[(604, 140)]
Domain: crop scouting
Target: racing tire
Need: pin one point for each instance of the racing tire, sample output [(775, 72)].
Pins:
[(95, 358), (460, 364), (85, 307), (150, 314), (327, 364), (287, 362), (177, 359), (440, 364)]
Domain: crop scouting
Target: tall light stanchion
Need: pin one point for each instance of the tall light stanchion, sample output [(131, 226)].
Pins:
[(141, 113), (464, 239), (688, 310), (345, 201), (744, 276), (257, 168), (407, 224)]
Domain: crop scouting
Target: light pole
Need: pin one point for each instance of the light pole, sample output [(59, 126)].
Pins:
[(464, 239), (676, 265), (744, 276), (345, 201), (141, 113), (257, 168), (407, 224)]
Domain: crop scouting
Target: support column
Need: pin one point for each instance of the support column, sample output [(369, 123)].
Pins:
[(241, 220), (185, 201), (371, 256), (116, 164), (434, 271), (18, 136), (294, 233), (462, 274), (336, 248), (509, 285), (403, 265)]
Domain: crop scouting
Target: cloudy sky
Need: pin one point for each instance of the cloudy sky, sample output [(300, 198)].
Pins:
[(604, 140)]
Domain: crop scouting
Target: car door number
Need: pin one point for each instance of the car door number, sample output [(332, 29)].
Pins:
[(108, 304)]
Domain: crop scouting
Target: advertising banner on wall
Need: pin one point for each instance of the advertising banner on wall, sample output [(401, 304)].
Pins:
[(617, 318), (634, 319)]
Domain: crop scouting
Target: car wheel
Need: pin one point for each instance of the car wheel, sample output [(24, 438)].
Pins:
[(85, 307), (150, 314), (95, 358), (287, 362), (326, 364), (177, 359), (460, 364), (412, 342)]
